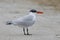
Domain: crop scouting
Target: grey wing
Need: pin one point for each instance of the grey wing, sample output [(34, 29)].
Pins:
[(25, 21), (28, 21), (28, 18)]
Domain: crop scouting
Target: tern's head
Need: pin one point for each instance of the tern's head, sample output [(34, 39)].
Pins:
[(35, 11)]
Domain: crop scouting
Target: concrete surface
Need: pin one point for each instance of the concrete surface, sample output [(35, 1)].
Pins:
[(45, 28)]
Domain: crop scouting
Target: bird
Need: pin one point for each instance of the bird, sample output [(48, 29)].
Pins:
[(25, 21)]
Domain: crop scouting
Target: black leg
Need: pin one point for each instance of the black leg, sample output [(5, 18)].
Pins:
[(27, 32), (24, 31)]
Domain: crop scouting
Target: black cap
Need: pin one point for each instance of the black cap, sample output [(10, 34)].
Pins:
[(33, 10)]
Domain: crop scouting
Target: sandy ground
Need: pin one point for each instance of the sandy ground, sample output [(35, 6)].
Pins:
[(45, 28)]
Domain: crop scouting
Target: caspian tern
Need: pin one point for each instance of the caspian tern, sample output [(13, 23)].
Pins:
[(25, 21)]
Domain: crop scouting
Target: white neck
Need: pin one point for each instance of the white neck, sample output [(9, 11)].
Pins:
[(32, 13)]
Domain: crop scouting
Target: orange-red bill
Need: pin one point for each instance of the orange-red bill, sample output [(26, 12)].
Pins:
[(39, 12)]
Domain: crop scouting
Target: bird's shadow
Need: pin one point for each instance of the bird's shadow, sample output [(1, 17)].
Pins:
[(23, 35), (17, 35)]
